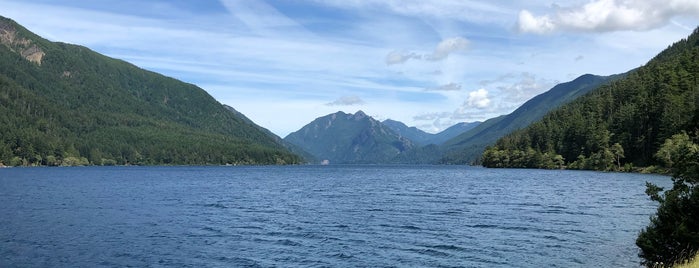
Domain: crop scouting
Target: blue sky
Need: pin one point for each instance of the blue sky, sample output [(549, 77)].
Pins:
[(430, 64)]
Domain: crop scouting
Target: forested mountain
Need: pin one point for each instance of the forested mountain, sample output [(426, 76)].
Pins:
[(307, 157), (349, 138), (468, 147), (624, 122), (422, 138), (63, 104)]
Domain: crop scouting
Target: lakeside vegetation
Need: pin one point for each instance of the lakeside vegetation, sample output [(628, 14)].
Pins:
[(673, 233)]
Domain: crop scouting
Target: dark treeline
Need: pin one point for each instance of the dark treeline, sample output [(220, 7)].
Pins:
[(78, 107)]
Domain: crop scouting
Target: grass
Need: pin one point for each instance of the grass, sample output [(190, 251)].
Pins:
[(693, 263)]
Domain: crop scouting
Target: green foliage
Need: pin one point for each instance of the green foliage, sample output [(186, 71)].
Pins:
[(623, 123), (529, 158), (78, 106), (673, 234)]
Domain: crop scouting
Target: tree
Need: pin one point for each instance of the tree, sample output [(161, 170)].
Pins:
[(673, 234), (618, 153)]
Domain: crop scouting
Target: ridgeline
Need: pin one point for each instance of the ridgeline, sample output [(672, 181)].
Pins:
[(63, 104)]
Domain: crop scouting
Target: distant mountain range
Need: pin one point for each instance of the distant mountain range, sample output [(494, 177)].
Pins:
[(423, 138), (63, 104), (332, 137)]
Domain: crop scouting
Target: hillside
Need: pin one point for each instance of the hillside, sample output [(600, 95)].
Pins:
[(467, 147), (422, 138), (307, 157), (64, 104), (349, 139), (623, 123)]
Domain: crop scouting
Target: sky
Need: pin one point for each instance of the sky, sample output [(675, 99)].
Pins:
[(427, 63)]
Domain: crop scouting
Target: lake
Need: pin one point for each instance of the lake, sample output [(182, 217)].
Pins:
[(321, 216)]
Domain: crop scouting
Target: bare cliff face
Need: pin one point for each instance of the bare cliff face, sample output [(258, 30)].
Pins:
[(23, 46)]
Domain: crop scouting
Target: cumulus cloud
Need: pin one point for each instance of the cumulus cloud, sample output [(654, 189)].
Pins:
[(400, 57), (538, 25), (442, 51), (448, 46), (478, 99), (346, 101), (447, 87), (609, 15)]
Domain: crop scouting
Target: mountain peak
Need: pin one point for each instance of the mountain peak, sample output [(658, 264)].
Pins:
[(353, 138), (359, 115)]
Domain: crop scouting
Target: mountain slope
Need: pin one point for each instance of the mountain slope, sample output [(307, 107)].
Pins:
[(291, 147), (467, 147), (65, 104), (422, 138), (453, 132), (349, 138), (414, 134), (623, 122)]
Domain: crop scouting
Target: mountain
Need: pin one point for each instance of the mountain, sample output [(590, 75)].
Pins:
[(417, 136), (63, 104), (349, 138), (453, 132), (467, 147), (422, 138), (621, 123)]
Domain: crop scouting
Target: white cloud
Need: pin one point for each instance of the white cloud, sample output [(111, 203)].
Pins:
[(346, 101), (447, 87), (448, 46), (441, 51), (400, 57), (608, 16), (478, 99), (530, 24)]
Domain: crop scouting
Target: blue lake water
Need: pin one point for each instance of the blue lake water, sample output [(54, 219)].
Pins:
[(320, 216)]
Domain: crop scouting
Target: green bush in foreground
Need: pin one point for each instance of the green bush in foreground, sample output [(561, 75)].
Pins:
[(672, 236)]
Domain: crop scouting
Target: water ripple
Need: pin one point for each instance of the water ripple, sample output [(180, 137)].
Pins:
[(351, 216)]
